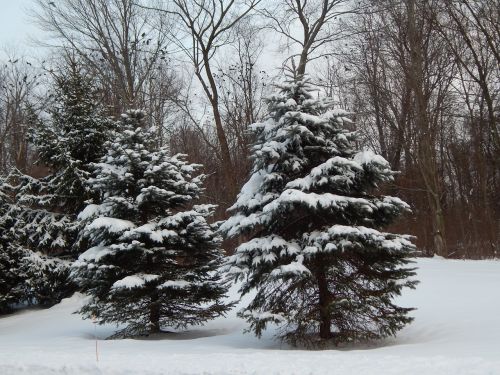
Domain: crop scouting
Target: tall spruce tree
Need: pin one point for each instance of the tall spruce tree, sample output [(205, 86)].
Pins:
[(313, 251), (67, 144), (152, 258), (44, 210)]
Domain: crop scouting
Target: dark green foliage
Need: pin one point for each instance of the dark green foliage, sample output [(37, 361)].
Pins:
[(152, 256), (11, 274), (11, 291), (313, 250), (42, 213), (69, 143), (30, 276)]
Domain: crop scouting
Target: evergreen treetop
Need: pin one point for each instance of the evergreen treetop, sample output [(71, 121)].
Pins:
[(72, 139)]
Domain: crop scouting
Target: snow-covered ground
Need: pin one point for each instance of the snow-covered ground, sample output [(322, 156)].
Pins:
[(456, 331)]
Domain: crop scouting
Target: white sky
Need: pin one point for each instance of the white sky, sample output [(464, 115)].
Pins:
[(15, 25), (18, 32)]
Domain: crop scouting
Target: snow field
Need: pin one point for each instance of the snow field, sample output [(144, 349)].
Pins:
[(456, 331)]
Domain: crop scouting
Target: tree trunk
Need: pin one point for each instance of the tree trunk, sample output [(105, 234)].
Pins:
[(301, 69), (212, 93), (325, 330), (426, 135), (154, 315)]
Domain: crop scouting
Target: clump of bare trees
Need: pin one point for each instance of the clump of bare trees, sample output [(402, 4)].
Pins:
[(421, 77), (18, 98)]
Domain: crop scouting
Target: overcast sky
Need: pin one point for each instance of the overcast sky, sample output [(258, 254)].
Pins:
[(17, 32), (15, 25)]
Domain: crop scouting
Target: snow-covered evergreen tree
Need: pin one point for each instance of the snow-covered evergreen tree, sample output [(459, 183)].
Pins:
[(44, 223), (11, 258), (11, 280), (67, 144), (313, 251), (29, 275), (151, 260)]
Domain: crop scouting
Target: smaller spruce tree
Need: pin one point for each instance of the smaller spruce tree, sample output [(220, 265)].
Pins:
[(152, 259)]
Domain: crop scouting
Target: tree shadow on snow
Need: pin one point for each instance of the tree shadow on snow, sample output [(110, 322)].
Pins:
[(183, 335)]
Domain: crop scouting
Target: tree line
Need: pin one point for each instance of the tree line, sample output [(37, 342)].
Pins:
[(421, 76)]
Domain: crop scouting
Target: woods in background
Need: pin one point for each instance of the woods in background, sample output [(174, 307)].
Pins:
[(422, 79)]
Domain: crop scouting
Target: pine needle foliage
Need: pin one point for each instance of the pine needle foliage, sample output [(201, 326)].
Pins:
[(313, 250), (152, 254)]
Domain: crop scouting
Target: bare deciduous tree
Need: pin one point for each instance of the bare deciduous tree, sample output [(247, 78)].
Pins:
[(18, 80), (308, 25), (242, 86), (114, 37), (472, 32), (203, 28)]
